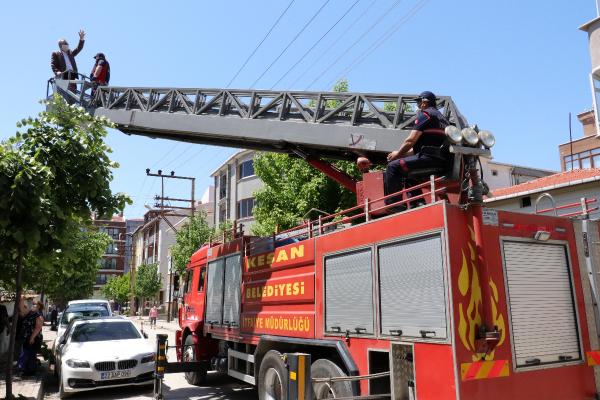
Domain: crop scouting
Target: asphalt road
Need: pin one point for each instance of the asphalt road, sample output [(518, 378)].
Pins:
[(220, 387)]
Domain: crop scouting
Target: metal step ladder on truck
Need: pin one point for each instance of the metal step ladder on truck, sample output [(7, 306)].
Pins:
[(448, 300)]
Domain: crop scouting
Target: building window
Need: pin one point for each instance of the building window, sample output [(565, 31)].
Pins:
[(494, 172), (108, 263), (112, 249), (245, 207), (114, 233), (585, 159), (222, 186), (246, 169), (222, 213), (526, 202)]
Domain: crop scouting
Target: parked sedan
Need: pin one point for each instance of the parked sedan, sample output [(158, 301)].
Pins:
[(103, 352), (77, 311)]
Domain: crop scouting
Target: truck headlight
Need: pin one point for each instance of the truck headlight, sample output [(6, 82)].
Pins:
[(78, 363), (470, 136), (146, 358), (453, 134), (487, 138)]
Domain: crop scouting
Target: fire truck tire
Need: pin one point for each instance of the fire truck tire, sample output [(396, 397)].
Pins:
[(272, 377), (324, 368), (197, 377)]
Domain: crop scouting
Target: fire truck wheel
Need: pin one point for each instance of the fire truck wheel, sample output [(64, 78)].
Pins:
[(197, 377), (323, 368), (272, 377)]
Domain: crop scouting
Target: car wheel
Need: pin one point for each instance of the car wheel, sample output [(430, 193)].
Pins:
[(272, 377), (323, 368), (197, 377)]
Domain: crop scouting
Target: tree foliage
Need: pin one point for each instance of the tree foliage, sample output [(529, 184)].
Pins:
[(117, 288), (292, 187), (188, 239), (53, 176), (78, 267), (147, 280)]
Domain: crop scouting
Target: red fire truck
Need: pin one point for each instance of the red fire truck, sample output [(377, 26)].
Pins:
[(447, 300)]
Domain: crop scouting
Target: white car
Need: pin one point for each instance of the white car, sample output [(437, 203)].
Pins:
[(76, 311), (92, 302), (103, 352)]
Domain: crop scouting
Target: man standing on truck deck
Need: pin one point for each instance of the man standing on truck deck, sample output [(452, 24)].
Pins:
[(63, 62), (425, 147)]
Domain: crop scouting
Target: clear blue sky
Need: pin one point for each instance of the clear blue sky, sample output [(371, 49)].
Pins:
[(515, 67)]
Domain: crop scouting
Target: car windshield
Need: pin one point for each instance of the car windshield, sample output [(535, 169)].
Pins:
[(76, 313), (100, 331), (91, 304)]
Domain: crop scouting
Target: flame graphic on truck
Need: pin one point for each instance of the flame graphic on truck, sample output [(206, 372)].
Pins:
[(470, 303)]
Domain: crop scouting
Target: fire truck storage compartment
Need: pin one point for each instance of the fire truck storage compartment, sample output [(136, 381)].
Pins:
[(349, 293), (231, 292), (412, 290), (541, 303), (214, 292)]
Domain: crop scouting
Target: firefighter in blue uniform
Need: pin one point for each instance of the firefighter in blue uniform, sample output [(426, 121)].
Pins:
[(424, 148)]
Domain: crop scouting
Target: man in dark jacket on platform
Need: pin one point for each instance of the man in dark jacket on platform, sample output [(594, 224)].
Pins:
[(63, 62)]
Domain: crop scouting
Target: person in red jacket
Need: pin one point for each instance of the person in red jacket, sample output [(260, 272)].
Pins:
[(100, 75)]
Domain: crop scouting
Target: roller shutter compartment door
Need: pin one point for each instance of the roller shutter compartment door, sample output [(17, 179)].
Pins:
[(540, 299), (231, 293), (412, 290), (349, 293), (214, 292)]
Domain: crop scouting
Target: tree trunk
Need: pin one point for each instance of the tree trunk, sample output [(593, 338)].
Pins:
[(13, 329)]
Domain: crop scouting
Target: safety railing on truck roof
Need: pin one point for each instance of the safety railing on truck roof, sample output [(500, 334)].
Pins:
[(372, 208), (584, 204)]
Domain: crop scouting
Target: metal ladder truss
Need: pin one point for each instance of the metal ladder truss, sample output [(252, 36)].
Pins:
[(326, 124)]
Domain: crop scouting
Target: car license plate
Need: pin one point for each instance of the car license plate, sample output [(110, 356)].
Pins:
[(115, 374)]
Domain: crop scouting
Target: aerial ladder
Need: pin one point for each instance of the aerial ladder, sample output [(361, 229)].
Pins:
[(310, 125)]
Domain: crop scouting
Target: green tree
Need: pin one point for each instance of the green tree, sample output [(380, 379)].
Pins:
[(117, 288), (52, 176), (147, 281), (292, 187), (188, 239), (78, 267)]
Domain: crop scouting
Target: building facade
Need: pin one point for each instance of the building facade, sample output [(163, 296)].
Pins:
[(151, 245), (583, 152), (498, 175), (565, 188), (130, 226), (112, 262), (235, 184)]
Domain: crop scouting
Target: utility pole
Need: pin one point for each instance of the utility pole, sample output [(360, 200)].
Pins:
[(162, 198), (169, 210)]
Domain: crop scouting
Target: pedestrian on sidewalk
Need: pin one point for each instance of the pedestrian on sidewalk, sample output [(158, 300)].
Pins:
[(153, 315), (32, 339)]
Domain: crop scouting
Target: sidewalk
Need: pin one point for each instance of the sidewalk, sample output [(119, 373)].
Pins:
[(160, 323), (31, 387)]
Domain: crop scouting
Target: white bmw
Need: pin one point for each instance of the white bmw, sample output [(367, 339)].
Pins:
[(103, 352)]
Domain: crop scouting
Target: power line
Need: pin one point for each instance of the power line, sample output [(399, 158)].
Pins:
[(261, 42), (290, 43), (324, 53), (382, 39), (369, 29), (165, 155), (316, 43)]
